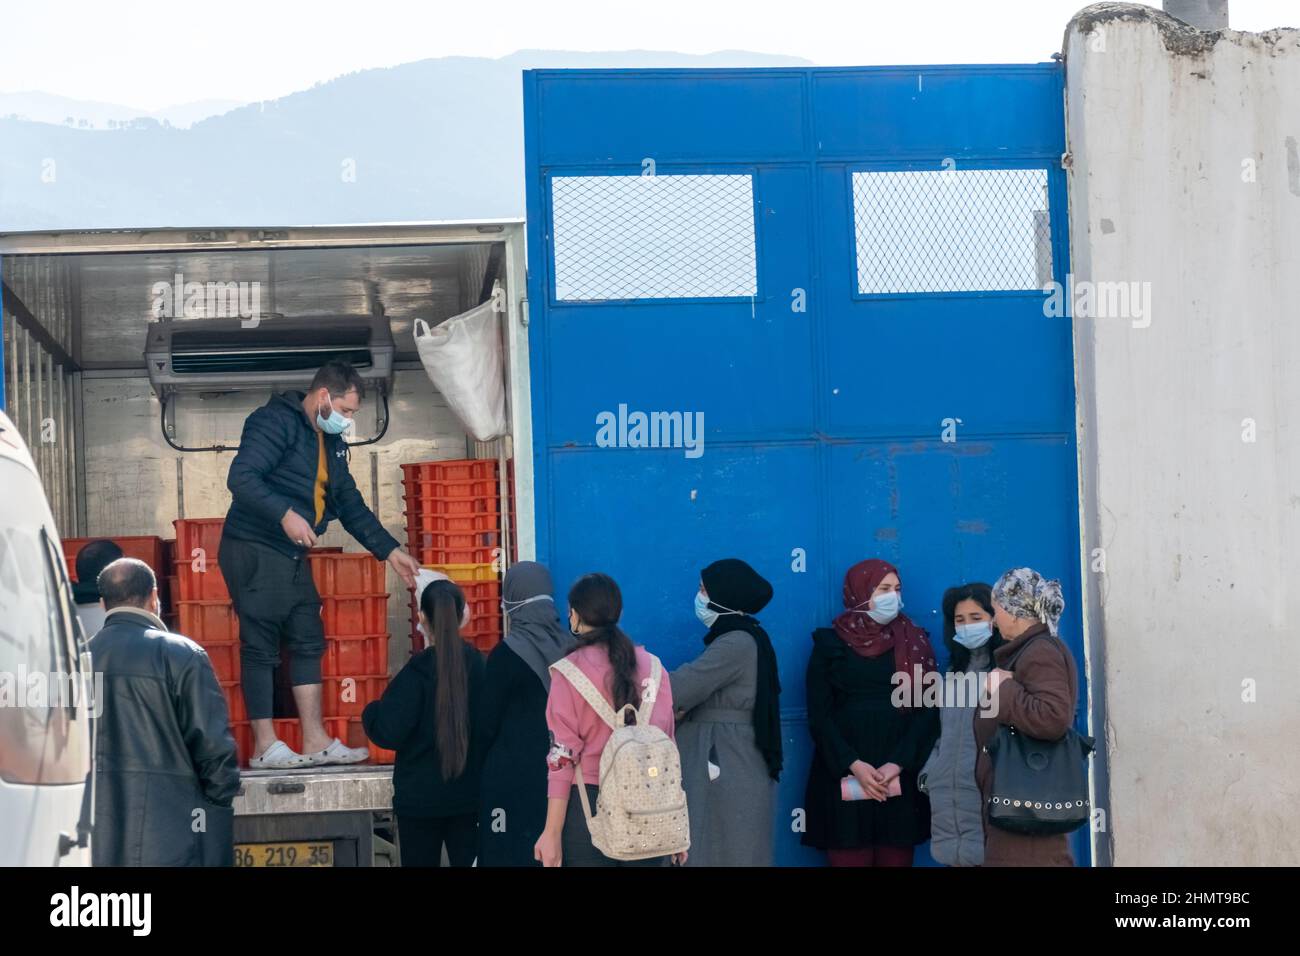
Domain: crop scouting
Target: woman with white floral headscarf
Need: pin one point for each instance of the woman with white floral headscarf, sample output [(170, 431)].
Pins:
[(1035, 689)]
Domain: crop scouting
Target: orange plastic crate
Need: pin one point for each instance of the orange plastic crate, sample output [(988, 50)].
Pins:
[(435, 556), (355, 656), (234, 701), (356, 616), (455, 469), (208, 621), (420, 490), (193, 584), (148, 548), (451, 541), (225, 660), (362, 691), (450, 506), (338, 574), (192, 533), (430, 523)]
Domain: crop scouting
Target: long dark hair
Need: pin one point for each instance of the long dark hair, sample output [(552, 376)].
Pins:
[(981, 594), (443, 604), (599, 604)]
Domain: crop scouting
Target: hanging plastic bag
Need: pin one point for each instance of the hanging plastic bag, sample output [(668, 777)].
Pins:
[(462, 357)]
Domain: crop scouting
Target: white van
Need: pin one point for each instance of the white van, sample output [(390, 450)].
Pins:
[(46, 739)]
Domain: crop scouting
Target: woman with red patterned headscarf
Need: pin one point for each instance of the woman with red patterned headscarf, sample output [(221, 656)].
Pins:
[(870, 735)]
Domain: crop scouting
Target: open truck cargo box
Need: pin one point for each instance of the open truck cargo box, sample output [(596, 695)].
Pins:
[(77, 307), (80, 310)]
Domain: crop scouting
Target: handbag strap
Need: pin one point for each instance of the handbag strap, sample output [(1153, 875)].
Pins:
[(1011, 663), (1065, 657)]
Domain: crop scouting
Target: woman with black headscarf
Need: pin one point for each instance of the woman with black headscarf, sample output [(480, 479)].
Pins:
[(730, 735), (512, 797)]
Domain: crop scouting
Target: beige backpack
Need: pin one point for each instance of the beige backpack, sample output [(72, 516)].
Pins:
[(641, 808)]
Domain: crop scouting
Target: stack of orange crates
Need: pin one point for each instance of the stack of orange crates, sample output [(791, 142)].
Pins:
[(453, 525), (354, 606)]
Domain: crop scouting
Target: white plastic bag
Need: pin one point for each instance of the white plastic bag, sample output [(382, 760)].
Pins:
[(462, 357)]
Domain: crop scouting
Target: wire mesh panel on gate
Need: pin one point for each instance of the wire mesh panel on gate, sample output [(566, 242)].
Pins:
[(951, 230), (653, 237)]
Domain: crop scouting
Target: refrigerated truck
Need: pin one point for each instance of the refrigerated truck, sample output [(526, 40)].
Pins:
[(789, 315), (119, 454)]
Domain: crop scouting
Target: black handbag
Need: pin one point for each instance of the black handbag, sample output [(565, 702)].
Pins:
[(1040, 787)]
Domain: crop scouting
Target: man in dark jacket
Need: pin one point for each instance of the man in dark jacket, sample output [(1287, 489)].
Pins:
[(165, 765), (289, 480)]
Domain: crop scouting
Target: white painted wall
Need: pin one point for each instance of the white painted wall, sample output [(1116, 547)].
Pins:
[(1186, 175)]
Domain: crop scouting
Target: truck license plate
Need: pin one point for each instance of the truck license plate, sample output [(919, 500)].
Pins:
[(284, 854)]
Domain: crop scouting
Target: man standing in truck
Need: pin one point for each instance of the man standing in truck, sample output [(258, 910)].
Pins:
[(289, 479)]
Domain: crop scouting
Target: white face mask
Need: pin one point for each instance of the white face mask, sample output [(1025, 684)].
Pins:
[(887, 607), (705, 613)]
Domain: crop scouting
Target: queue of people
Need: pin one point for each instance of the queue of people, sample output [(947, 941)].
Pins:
[(887, 773), (491, 754)]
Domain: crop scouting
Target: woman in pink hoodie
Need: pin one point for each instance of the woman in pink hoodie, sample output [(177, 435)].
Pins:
[(578, 735)]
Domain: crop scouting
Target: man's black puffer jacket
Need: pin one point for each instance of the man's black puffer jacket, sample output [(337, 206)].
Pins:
[(275, 470), (166, 771)]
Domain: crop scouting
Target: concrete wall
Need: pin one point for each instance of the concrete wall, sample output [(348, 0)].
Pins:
[(1186, 175)]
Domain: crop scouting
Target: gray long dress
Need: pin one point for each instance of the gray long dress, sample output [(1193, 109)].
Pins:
[(732, 816)]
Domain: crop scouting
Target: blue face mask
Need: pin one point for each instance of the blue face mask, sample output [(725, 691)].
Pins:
[(887, 607), (336, 424), (705, 613), (971, 636)]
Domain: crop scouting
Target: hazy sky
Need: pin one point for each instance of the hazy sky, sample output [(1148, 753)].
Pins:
[(151, 54)]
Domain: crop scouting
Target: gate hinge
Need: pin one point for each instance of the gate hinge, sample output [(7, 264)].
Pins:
[(1067, 160)]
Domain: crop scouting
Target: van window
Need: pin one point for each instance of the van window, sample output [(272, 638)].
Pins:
[(40, 741)]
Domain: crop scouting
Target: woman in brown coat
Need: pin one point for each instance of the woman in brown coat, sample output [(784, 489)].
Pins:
[(1037, 695)]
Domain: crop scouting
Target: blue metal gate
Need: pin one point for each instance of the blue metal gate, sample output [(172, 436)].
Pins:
[(841, 271)]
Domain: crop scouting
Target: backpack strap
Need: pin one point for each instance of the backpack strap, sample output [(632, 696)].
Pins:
[(650, 693), (583, 685)]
